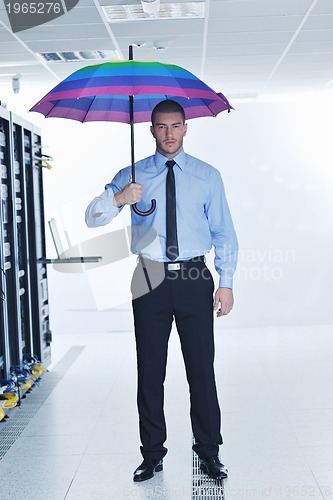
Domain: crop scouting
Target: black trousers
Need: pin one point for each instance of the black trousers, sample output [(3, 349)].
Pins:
[(187, 296)]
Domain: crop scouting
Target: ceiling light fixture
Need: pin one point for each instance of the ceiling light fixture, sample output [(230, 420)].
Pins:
[(139, 12), (151, 7), (77, 56)]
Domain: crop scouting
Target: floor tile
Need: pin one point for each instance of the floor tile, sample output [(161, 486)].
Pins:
[(37, 478), (312, 427)]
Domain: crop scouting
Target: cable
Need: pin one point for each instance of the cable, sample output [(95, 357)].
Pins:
[(3, 294)]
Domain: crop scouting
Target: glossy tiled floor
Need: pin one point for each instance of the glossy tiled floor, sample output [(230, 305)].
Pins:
[(276, 394)]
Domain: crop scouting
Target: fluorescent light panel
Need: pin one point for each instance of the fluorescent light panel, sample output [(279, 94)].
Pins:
[(125, 13), (82, 55)]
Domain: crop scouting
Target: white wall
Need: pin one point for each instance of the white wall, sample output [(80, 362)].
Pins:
[(276, 161)]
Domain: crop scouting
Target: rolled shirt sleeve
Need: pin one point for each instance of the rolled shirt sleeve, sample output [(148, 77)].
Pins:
[(103, 204)]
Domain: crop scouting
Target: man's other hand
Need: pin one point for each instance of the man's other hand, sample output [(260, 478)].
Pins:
[(223, 301)]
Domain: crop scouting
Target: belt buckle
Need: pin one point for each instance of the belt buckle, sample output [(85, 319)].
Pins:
[(175, 266)]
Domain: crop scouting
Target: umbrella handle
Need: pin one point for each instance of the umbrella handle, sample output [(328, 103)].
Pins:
[(143, 214)]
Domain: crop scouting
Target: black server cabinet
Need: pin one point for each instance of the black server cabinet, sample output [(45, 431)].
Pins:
[(24, 298), (42, 336)]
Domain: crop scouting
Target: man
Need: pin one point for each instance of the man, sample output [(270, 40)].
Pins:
[(191, 215)]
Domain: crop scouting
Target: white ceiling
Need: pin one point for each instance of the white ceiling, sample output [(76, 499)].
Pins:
[(242, 48)]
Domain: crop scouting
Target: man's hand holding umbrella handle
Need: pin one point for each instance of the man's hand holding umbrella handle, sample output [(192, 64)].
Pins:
[(223, 301), (132, 193)]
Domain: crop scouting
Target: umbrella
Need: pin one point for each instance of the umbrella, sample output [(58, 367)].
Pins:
[(127, 91)]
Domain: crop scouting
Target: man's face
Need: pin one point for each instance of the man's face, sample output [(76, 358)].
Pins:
[(168, 131)]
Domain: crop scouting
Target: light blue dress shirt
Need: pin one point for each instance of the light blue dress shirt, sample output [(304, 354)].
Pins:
[(203, 216)]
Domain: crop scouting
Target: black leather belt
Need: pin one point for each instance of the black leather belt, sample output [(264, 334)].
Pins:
[(184, 264), (178, 264)]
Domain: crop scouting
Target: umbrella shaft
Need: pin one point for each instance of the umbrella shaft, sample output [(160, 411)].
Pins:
[(131, 104)]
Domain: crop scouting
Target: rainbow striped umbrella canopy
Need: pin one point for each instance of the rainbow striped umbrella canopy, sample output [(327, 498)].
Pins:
[(101, 93)]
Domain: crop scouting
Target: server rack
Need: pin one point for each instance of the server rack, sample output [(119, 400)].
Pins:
[(42, 336), (24, 313)]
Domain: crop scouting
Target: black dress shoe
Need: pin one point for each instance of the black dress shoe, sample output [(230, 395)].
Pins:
[(147, 469), (213, 467)]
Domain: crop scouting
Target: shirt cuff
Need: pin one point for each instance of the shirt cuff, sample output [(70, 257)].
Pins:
[(225, 281), (112, 210), (103, 205)]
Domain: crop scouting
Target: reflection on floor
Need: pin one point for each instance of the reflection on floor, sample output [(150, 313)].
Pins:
[(275, 387)]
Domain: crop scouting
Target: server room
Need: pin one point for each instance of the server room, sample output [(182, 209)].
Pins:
[(166, 250)]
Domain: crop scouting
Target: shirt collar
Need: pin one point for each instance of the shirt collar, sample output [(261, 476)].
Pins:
[(160, 160)]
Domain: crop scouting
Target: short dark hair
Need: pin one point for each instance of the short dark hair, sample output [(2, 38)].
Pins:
[(167, 106)]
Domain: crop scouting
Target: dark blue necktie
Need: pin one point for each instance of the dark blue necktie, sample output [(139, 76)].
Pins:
[(172, 250)]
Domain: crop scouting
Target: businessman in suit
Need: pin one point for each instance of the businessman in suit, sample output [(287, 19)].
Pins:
[(172, 282)]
